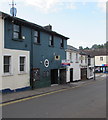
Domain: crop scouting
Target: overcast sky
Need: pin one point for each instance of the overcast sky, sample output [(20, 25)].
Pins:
[(83, 21)]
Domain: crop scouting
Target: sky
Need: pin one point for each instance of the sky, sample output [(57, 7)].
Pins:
[(83, 21)]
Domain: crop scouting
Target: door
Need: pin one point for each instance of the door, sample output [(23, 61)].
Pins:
[(83, 73), (71, 75), (54, 76), (62, 76)]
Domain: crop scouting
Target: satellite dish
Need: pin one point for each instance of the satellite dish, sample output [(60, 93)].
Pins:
[(13, 11)]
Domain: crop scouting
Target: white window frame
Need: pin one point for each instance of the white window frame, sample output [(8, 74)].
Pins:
[(11, 66), (25, 66)]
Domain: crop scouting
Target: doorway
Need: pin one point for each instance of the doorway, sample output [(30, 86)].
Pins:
[(54, 76), (71, 75)]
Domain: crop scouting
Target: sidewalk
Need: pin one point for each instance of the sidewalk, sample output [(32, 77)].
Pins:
[(24, 94)]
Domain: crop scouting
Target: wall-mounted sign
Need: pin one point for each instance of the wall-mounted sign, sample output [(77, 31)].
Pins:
[(65, 62), (104, 64), (57, 57), (46, 63)]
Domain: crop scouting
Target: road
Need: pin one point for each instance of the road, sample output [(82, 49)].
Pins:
[(87, 101)]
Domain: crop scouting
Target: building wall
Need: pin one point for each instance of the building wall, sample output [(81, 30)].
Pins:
[(98, 62), (38, 52), (1, 46), (14, 80), (74, 65)]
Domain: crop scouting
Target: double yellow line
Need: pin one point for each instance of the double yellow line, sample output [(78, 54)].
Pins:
[(37, 96)]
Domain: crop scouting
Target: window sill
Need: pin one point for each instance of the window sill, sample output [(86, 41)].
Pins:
[(19, 40), (22, 73), (37, 43), (62, 47), (7, 74), (51, 45)]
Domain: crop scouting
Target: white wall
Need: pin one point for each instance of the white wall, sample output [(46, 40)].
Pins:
[(1, 46), (74, 65), (16, 80), (98, 62)]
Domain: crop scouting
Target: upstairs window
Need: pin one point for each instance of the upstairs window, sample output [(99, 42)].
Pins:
[(7, 64), (16, 31), (101, 58), (76, 57), (61, 43), (85, 59), (51, 40), (70, 56), (22, 63), (36, 37)]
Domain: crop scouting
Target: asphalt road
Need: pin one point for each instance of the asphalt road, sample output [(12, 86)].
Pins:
[(88, 101)]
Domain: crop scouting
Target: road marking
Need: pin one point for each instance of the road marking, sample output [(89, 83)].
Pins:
[(37, 96)]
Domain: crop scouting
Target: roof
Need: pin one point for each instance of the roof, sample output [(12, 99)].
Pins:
[(5, 16), (69, 47), (97, 52)]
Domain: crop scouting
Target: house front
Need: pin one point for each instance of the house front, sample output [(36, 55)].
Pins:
[(33, 50), (73, 70), (101, 64), (14, 65)]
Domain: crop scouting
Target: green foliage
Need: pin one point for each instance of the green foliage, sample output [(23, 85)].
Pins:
[(95, 46)]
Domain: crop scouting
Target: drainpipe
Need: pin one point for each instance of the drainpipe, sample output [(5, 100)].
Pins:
[(31, 64), (94, 69)]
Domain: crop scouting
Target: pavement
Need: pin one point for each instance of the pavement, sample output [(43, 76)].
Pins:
[(24, 94)]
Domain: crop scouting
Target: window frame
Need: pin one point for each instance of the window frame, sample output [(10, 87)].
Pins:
[(51, 40), (76, 57), (19, 32), (62, 43), (101, 58), (38, 37), (10, 65), (25, 64)]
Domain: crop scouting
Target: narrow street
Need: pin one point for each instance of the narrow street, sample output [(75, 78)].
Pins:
[(85, 101)]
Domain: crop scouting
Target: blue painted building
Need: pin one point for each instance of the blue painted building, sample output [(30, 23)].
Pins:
[(46, 47)]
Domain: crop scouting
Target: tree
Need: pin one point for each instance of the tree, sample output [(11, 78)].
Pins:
[(80, 48), (87, 48)]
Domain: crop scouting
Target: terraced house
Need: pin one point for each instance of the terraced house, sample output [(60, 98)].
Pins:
[(31, 54)]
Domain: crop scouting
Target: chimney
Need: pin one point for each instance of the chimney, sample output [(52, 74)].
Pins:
[(48, 27)]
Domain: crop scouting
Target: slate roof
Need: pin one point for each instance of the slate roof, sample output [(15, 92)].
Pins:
[(69, 47), (5, 16), (97, 52)]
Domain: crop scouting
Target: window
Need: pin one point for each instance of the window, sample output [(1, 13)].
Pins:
[(36, 37), (22, 64), (101, 58), (76, 57), (16, 31), (85, 59), (61, 43), (7, 65), (51, 40), (70, 56)]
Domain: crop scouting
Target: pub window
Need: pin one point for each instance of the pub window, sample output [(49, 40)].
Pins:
[(7, 64), (51, 40), (36, 37), (22, 63), (16, 31), (61, 43)]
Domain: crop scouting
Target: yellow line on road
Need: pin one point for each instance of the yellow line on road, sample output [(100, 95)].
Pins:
[(37, 96)]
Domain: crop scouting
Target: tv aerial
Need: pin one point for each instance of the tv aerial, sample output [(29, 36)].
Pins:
[(13, 10)]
